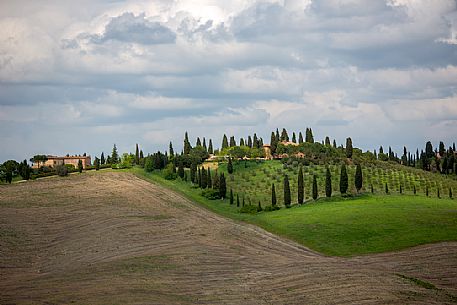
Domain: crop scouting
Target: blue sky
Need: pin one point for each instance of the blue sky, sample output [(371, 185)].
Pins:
[(79, 76)]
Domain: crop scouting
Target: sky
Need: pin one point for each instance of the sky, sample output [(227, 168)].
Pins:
[(79, 76)]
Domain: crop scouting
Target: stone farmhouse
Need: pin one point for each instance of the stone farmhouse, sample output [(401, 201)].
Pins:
[(53, 161)]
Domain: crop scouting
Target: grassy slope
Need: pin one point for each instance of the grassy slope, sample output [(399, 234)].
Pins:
[(345, 227)]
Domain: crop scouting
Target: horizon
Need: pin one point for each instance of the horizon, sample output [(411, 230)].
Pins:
[(80, 77)]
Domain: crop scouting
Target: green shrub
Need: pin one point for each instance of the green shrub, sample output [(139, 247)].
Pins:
[(61, 170), (211, 194), (249, 209)]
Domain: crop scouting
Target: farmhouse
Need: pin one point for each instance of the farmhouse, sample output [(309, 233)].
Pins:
[(53, 161)]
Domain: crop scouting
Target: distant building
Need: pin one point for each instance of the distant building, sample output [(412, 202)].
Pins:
[(267, 150), (53, 161)]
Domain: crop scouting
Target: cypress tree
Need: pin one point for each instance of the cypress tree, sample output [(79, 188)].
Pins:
[(414, 189), (224, 142), (137, 155), (210, 147), (230, 166), (372, 189), (259, 207), (387, 189), (273, 195), (401, 189), (209, 183), (315, 192), (204, 178), (287, 199), (249, 142), (187, 146), (273, 143), (243, 201), (102, 159), (284, 135), (334, 143), (450, 193), (97, 163), (181, 169), (438, 192), (141, 154), (171, 152), (80, 166), (237, 201), (242, 142), (222, 186), (358, 178), (301, 186), (349, 148), (328, 183), (199, 178), (216, 181), (199, 142), (255, 141), (193, 172), (327, 141), (204, 144), (232, 141), (343, 179), (300, 138), (114, 155), (231, 197), (294, 138), (426, 191)]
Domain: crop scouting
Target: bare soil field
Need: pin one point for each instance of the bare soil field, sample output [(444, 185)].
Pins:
[(112, 238)]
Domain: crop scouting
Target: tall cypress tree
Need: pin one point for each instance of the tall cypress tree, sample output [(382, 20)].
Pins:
[(187, 146), (315, 192), (301, 187), (334, 143), (287, 198), (249, 142), (230, 166), (209, 182), (328, 183), (222, 186), (273, 143), (102, 158), (231, 197), (242, 142), (343, 179), (300, 138), (199, 142), (137, 155), (204, 144), (273, 195), (199, 177), (215, 181), (232, 141), (358, 178), (224, 142), (349, 148), (294, 138), (181, 169), (114, 155), (141, 154), (237, 201), (204, 178), (171, 152), (210, 147), (193, 172), (284, 135), (80, 166), (327, 141)]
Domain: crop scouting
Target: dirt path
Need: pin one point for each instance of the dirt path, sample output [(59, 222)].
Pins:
[(111, 238)]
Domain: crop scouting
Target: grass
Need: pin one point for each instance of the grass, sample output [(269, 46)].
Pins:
[(344, 226)]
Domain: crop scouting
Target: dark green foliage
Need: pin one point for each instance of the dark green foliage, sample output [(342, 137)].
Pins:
[(327, 141), (300, 138), (438, 192), (137, 155), (181, 169), (441, 149), (259, 208), (426, 191), (249, 209), (372, 189), (24, 170), (114, 155), (230, 166), (284, 135), (215, 181), (273, 143), (249, 142), (273, 195), (102, 159), (169, 173), (209, 182), (141, 154), (294, 138), (301, 187), (315, 191), (243, 201), (80, 166), (231, 197), (414, 189), (328, 183), (199, 178), (204, 174), (210, 147), (349, 149), (211, 194), (401, 189), (309, 138), (171, 152), (222, 186), (39, 159), (224, 142), (204, 145), (387, 189), (187, 146), (199, 142), (343, 179), (193, 172), (287, 198), (358, 178), (237, 200), (232, 141), (450, 193), (429, 150)]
